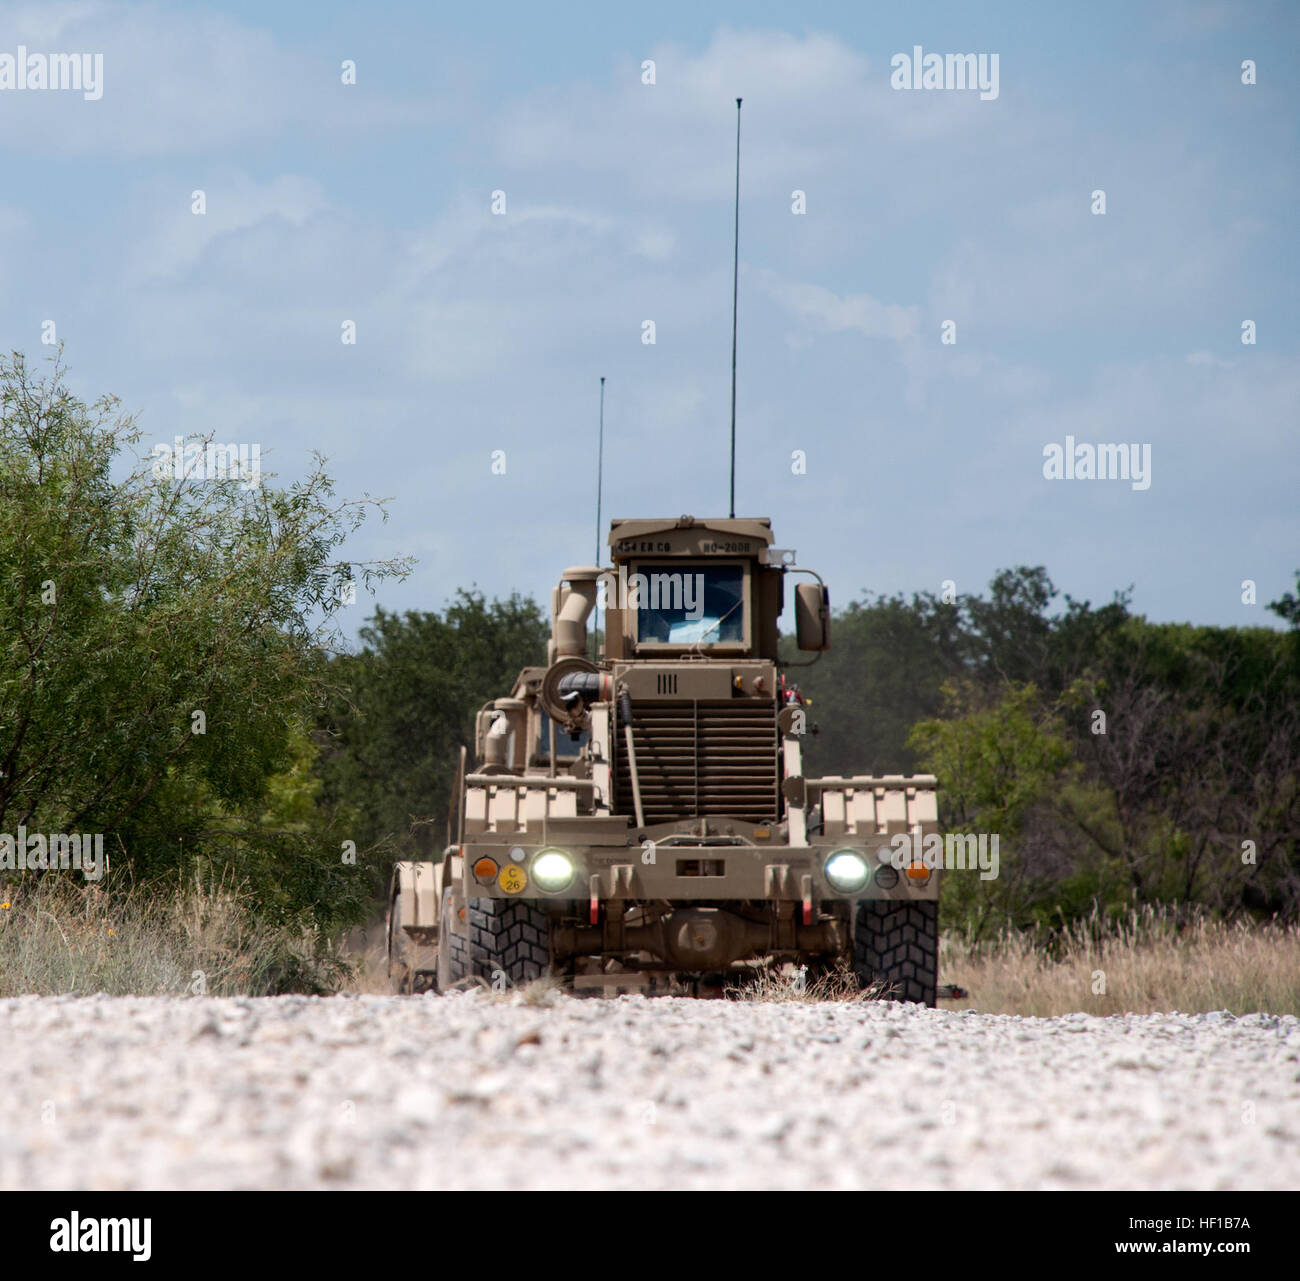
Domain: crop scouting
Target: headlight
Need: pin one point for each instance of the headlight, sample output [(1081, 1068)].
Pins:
[(847, 871), (552, 870)]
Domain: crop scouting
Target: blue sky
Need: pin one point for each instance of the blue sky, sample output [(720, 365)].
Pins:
[(924, 461)]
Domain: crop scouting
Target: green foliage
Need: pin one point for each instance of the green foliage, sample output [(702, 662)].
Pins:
[(997, 763), (406, 706), (1000, 759), (1000, 696), (1288, 606), (883, 673), (891, 657), (128, 603), (1139, 781)]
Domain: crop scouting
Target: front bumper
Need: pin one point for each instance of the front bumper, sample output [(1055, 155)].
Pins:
[(673, 868)]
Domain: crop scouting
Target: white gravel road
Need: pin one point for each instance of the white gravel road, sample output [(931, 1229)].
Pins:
[(464, 1091)]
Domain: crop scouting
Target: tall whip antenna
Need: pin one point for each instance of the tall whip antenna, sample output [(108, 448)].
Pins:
[(735, 292), (600, 467)]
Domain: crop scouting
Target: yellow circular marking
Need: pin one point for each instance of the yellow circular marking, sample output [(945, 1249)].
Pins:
[(512, 878)]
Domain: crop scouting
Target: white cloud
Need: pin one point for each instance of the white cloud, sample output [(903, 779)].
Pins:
[(179, 83), (478, 331), (179, 237), (825, 311), (657, 244), (810, 102)]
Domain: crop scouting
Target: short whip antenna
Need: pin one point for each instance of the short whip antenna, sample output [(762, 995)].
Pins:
[(600, 467)]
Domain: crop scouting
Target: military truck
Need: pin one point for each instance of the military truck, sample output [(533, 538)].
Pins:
[(639, 818)]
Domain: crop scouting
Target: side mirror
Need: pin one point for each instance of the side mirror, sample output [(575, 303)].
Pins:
[(812, 616)]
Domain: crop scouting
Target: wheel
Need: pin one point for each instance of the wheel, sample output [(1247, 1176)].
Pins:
[(405, 955), (399, 968), (511, 937), (897, 944), (452, 961)]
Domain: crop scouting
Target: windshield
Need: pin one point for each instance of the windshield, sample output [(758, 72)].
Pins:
[(676, 605)]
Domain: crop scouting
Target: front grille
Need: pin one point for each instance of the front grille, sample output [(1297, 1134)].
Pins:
[(699, 759)]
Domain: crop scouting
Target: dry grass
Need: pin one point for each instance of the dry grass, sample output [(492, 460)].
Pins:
[(58, 936), (788, 984), (1148, 960), (367, 954), (542, 992), (1145, 963)]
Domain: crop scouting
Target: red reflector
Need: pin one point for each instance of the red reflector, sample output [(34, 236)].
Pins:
[(595, 911)]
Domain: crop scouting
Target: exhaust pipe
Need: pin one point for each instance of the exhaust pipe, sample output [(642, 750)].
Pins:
[(571, 606)]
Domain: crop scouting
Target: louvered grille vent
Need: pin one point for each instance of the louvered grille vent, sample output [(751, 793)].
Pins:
[(702, 759)]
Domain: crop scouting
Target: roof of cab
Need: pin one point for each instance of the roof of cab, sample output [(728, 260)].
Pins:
[(759, 527)]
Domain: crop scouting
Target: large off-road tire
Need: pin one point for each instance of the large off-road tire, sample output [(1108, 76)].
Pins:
[(897, 945), (452, 961), (510, 937)]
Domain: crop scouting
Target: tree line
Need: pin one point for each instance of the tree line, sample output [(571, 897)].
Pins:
[(1120, 761), (173, 676)]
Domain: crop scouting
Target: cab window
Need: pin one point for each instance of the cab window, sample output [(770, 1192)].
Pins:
[(689, 604)]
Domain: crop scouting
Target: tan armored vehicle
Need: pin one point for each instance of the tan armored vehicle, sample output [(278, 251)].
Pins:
[(641, 820)]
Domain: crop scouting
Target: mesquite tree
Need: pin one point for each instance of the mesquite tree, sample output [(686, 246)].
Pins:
[(164, 635)]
